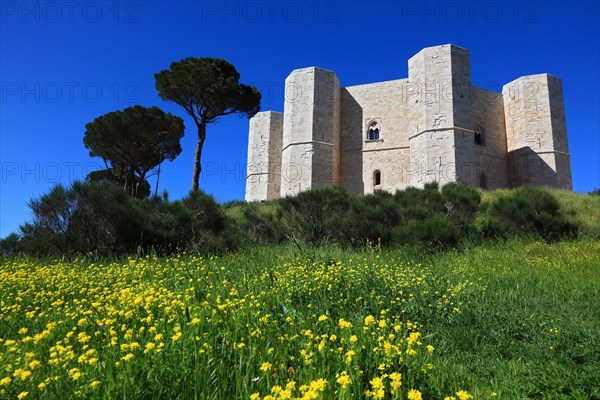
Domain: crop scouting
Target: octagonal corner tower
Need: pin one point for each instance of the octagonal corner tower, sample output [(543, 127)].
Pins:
[(263, 178), (536, 132), (441, 137), (311, 131)]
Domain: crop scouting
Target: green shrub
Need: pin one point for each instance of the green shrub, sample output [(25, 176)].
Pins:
[(528, 211), (316, 217), (10, 245), (372, 219), (462, 204), (436, 231), (202, 223), (260, 225), (100, 217)]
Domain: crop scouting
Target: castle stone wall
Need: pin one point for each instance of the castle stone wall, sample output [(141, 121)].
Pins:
[(491, 166), (432, 126), (536, 132), (383, 103), (441, 116), (311, 131), (263, 178)]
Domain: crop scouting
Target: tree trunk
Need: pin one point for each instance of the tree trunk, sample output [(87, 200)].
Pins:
[(157, 178), (197, 165)]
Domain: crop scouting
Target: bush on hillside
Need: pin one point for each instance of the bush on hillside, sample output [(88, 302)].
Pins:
[(461, 203), (371, 220), (316, 217), (100, 217), (527, 210)]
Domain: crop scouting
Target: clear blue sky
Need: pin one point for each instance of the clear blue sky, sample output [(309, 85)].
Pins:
[(65, 63)]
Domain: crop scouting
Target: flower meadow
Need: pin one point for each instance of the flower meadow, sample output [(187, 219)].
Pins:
[(274, 323)]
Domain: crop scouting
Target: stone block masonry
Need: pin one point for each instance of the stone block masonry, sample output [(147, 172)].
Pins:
[(432, 126)]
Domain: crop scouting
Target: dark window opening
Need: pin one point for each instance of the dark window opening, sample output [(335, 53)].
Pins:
[(483, 181), (479, 131), (373, 131), (377, 178), (374, 134)]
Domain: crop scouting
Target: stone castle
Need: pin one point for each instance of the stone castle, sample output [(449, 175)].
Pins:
[(432, 126)]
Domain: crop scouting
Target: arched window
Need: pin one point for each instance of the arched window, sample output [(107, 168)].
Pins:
[(479, 130), (376, 178), (483, 181), (373, 130)]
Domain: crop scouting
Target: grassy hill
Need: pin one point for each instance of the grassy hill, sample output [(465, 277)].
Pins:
[(504, 320), (436, 293)]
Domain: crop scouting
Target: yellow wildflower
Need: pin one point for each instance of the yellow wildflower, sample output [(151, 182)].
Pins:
[(75, 373), (19, 373), (377, 383), (396, 380), (378, 390), (276, 389), (349, 355), (318, 385), (176, 336), (344, 380), (462, 395), (344, 324), (266, 366)]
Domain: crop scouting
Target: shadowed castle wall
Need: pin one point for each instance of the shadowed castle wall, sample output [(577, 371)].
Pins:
[(490, 168)]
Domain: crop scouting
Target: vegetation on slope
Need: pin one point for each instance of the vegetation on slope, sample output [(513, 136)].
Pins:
[(99, 217), (504, 320)]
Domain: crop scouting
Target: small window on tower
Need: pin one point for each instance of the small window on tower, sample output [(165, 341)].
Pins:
[(377, 178), (479, 131), (373, 130)]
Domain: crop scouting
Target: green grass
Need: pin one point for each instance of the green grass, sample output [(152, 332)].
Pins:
[(511, 320), (534, 334), (580, 208)]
